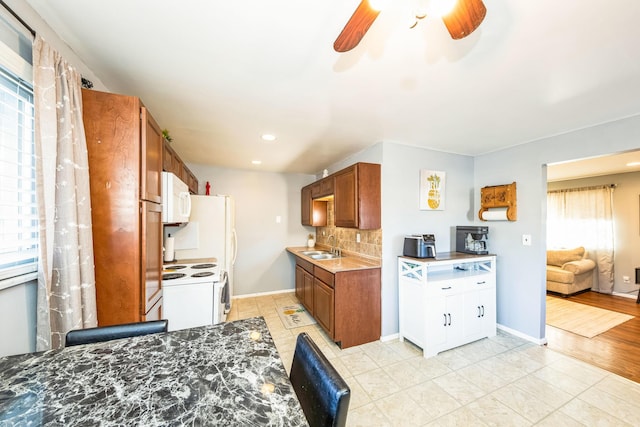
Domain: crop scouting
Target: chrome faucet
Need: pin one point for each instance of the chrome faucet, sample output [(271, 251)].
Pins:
[(331, 236)]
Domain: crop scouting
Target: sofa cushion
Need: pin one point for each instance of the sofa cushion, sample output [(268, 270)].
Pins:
[(557, 274), (563, 256)]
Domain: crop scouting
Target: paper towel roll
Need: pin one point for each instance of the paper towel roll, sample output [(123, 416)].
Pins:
[(495, 214), (169, 249)]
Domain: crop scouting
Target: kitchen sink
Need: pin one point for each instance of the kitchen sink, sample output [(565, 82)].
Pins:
[(321, 255), (327, 255), (309, 253)]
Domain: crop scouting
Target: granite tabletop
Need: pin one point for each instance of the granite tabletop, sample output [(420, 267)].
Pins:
[(227, 374)]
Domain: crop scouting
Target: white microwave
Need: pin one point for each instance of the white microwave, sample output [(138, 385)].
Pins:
[(176, 202)]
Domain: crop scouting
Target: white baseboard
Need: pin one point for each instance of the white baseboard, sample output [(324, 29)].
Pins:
[(262, 294), (538, 341), (391, 337)]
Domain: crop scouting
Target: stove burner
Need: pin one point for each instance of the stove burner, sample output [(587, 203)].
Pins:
[(172, 276), (202, 274), (199, 266), (174, 267)]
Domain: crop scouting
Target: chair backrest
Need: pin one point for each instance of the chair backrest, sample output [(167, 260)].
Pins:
[(322, 392), (108, 333)]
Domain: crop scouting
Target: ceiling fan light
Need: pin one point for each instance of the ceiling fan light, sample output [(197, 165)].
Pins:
[(465, 18), (378, 5), (441, 8)]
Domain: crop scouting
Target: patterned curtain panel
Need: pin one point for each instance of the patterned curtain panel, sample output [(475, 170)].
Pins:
[(66, 279)]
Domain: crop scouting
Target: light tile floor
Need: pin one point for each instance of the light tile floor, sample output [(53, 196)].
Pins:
[(500, 381)]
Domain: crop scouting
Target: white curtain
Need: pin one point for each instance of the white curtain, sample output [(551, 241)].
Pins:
[(66, 280), (584, 217)]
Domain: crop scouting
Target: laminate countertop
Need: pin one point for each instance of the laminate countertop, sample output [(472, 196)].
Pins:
[(348, 262), (227, 374)]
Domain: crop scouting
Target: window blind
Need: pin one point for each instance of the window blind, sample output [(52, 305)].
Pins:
[(18, 208)]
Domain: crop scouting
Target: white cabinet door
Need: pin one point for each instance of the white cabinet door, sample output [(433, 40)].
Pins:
[(444, 323), (412, 313), (487, 299), (479, 308)]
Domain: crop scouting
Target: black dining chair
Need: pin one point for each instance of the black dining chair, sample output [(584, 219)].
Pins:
[(322, 392), (112, 332)]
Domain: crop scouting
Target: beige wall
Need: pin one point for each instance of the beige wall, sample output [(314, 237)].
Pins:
[(626, 203)]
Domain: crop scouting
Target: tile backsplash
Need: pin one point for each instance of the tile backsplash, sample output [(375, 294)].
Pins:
[(345, 238)]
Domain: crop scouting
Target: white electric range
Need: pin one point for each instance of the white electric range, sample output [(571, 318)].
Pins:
[(193, 294)]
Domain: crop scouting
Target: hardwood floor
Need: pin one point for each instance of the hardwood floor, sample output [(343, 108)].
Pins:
[(616, 350)]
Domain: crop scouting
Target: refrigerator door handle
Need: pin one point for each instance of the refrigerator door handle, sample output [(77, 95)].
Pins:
[(235, 246)]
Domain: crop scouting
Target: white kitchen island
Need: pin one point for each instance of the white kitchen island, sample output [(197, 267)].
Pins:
[(447, 301)]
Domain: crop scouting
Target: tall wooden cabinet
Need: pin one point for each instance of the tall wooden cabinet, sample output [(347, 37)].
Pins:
[(124, 145)]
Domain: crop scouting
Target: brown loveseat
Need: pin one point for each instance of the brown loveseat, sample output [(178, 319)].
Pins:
[(569, 271)]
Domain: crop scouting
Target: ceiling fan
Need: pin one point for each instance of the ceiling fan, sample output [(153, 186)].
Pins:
[(462, 20)]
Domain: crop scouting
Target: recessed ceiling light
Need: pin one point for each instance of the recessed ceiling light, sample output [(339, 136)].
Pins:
[(633, 164), (268, 137), (256, 162)]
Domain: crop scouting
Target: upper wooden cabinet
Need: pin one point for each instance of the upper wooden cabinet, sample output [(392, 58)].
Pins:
[(356, 192), (357, 196), (151, 165), (322, 188), (313, 212), (171, 162)]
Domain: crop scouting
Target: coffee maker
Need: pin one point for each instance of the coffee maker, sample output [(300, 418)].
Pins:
[(472, 239)]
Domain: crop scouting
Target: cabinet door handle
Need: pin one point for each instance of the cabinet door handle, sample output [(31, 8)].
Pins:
[(449, 319), (482, 310), (445, 319), (479, 312)]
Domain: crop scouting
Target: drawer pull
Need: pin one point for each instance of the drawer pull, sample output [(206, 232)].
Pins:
[(444, 289), (481, 283)]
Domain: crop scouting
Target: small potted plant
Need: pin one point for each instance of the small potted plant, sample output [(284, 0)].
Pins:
[(311, 241)]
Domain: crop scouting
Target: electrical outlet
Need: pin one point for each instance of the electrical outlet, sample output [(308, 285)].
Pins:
[(357, 237), (625, 279), (278, 219), (526, 239)]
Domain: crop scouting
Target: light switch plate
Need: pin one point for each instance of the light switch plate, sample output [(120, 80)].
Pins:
[(526, 239)]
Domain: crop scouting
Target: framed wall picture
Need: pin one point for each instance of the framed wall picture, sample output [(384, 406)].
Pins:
[(432, 186)]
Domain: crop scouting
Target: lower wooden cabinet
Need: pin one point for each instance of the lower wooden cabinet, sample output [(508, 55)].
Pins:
[(323, 305), (304, 283), (346, 304)]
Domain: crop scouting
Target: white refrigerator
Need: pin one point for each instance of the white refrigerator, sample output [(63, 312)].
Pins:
[(210, 232)]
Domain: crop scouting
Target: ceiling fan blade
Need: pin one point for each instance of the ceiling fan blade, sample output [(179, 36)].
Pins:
[(356, 28), (465, 18)]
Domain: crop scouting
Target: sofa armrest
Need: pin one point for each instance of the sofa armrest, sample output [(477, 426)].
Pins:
[(577, 267)]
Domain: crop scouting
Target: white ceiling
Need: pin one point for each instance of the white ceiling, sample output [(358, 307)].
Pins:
[(218, 74), (595, 166)]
